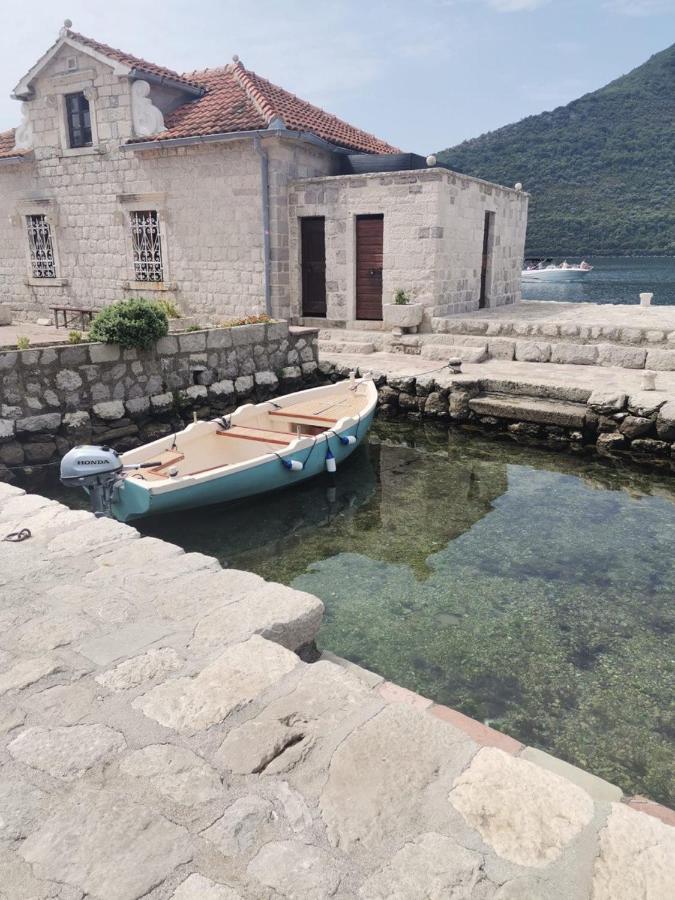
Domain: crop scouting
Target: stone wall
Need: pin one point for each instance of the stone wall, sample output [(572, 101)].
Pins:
[(433, 237), (208, 197), (52, 398)]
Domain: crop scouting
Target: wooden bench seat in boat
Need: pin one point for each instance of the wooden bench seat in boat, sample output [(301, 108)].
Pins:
[(166, 460), (311, 412), (263, 435)]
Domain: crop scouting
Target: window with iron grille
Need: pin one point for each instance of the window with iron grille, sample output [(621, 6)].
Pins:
[(43, 264), (147, 246), (79, 120)]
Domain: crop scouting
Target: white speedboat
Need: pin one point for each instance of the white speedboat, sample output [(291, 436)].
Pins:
[(548, 271)]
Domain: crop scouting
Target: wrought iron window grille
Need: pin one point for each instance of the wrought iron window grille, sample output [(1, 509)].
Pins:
[(147, 246), (42, 261)]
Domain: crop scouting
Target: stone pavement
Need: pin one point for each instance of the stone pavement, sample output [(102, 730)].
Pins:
[(586, 377), (160, 738), (36, 334), (607, 315)]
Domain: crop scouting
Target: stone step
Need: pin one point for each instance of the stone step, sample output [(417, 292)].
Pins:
[(449, 351), (567, 353), (551, 331), (468, 340), (530, 409), (335, 346)]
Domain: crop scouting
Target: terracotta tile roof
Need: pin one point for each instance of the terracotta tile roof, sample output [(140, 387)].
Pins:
[(127, 59), (237, 99), (225, 107), (7, 145)]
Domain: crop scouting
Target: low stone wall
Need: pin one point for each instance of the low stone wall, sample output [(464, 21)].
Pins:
[(640, 426), (52, 398)]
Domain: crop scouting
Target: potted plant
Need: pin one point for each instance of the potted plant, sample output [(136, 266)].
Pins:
[(402, 315)]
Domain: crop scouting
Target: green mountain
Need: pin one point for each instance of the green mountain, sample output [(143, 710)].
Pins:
[(601, 170)]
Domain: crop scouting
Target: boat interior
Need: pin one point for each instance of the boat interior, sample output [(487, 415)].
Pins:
[(250, 432)]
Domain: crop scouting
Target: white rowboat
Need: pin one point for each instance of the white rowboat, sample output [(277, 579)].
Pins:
[(258, 448)]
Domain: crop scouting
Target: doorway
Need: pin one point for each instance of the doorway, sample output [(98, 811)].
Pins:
[(313, 262), (486, 260), (369, 261)]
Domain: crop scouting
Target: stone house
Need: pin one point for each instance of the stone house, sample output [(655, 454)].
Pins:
[(229, 196)]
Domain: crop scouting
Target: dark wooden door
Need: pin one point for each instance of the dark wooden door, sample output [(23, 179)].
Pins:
[(369, 259), (485, 263), (313, 233)]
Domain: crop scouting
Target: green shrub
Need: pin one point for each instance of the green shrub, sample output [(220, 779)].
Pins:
[(130, 323), (22, 343), (74, 337), (401, 298)]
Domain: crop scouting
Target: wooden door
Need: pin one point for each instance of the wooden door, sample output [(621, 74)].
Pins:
[(369, 259), (485, 262), (313, 243)]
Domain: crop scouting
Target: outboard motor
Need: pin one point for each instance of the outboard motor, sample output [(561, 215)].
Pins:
[(97, 470)]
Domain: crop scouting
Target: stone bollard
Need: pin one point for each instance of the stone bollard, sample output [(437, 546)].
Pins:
[(646, 299), (648, 381)]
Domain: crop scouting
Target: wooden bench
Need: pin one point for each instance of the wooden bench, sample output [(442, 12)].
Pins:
[(257, 434), (73, 315), (300, 418)]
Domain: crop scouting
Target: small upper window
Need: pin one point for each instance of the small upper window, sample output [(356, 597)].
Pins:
[(79, 120), (147, 245), (42, 262)]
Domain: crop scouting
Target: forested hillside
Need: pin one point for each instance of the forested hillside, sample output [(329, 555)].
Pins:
[(601, 170)]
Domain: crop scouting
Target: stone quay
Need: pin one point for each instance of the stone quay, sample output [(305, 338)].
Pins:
[(162, 736)]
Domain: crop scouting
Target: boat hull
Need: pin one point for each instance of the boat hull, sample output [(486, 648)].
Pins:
[(554, 275), (133, 501)]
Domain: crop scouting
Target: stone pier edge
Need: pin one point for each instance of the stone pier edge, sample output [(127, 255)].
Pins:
[(99, 538), (486, 736), (637, 426)]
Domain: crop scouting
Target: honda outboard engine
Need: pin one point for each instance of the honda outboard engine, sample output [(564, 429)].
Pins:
[(97, 470)]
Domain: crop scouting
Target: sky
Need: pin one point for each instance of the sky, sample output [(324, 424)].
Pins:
[(423, 75)]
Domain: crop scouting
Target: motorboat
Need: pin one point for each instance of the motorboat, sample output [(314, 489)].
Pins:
[(540, 269), (257, 448)]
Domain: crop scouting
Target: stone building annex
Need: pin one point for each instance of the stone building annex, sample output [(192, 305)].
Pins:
[(230, 196)]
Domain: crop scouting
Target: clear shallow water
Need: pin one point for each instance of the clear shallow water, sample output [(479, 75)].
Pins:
[(613, 280), (529, 590)]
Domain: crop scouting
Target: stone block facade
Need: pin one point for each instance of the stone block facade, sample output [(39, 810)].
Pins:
[(208, 197), (55, 397), (433, 237), (211, 198)]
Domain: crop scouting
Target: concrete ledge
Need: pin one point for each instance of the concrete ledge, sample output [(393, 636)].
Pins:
[(477, 731), (598, 788)]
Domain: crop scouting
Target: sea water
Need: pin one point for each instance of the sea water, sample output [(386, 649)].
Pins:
[(613, 280)]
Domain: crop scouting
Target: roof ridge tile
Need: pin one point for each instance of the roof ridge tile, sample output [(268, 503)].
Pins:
[(264, 106)]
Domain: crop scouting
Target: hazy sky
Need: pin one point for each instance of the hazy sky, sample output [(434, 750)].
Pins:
[(424, 74)]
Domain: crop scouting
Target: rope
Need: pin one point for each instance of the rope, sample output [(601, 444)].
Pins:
[(431, 371), (15, 537), (306, 460)]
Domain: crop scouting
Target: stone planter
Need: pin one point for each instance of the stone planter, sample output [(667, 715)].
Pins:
[(402, 317)]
